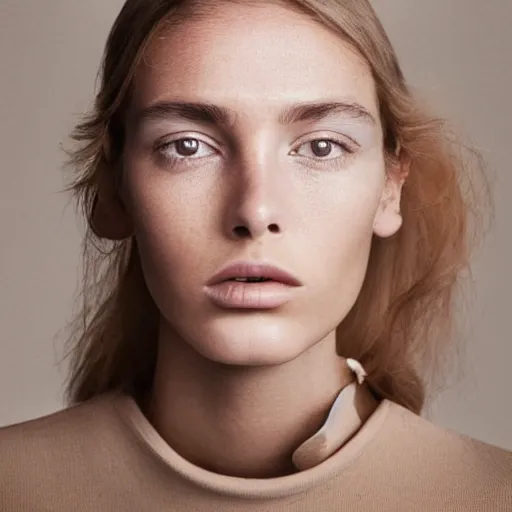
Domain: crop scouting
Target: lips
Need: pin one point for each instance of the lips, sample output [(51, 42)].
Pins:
[(252, 271), (262, 286)]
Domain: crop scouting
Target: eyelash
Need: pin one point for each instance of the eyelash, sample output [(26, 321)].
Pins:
[(330, 163)]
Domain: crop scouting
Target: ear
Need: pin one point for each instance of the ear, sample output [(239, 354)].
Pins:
[(388, 218), (109, 216)]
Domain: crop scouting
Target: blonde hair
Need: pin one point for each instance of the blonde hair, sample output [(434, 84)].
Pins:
[(401, 325)]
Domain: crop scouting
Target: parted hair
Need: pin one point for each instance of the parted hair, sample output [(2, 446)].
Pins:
[(402, 325)]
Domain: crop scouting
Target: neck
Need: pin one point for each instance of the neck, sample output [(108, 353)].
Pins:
[(239, 420)]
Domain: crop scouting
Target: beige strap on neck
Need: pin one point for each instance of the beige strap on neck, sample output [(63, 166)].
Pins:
[(352, 407)]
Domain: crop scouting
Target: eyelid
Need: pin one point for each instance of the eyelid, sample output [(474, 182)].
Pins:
[(344, 140), (320, 135), (350, 148), (168, 140)]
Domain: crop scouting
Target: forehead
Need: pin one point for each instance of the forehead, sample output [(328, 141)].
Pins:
[(252, 59)]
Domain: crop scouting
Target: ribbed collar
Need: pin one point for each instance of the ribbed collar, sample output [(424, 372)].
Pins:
[(353, 420)]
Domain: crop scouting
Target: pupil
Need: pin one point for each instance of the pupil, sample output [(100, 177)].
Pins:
[(186, 147), (321, 147)]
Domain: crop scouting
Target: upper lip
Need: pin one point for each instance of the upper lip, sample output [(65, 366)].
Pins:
[(254, 269)]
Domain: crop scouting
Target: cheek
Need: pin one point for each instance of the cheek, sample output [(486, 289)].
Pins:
[(345, 255), (340, 248), (342, 221), (163, 210), (171, 233)]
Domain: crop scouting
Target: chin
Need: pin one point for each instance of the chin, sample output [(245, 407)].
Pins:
[(251, 341)]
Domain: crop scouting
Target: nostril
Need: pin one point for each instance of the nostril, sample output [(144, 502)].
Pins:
[(241, 231)]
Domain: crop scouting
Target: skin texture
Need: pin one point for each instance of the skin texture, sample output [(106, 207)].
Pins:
[(257, 381)]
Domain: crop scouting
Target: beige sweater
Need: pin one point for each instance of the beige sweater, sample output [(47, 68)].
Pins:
[(105, 456)]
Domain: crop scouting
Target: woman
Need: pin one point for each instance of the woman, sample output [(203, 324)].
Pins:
[(285, 230)]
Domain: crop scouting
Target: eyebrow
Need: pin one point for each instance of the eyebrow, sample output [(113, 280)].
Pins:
[(208, 113)]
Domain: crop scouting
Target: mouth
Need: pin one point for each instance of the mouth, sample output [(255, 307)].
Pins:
[(252, 285), (253, 272), (250, 279)]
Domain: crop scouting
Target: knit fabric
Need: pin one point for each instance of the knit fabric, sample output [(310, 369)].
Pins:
[(103, 455)]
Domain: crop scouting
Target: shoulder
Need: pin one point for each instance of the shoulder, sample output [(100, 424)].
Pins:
[(454, 449), (447, 462), (53, 447), (70, 422)]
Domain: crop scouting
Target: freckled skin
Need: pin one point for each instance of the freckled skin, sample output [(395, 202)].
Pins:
[(256, 174), (184, 217)]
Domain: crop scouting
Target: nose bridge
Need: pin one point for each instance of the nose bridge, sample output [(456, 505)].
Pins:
[(257, 199)]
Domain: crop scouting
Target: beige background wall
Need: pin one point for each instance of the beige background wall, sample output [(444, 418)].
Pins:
[(458, 52)]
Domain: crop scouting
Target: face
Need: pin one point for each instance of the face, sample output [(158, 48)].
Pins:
[(260, 180)]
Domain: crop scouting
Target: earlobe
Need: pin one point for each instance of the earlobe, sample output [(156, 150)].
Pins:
[(109, 217), (388, 218)]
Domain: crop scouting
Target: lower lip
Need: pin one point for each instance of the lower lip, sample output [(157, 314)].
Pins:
[(236, 294)]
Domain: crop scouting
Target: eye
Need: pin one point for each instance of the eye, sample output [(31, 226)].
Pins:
[(184, 148), (322, 148)]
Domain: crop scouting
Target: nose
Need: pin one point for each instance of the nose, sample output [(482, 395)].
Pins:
[(256, 199)]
